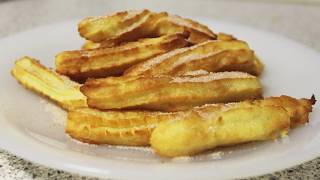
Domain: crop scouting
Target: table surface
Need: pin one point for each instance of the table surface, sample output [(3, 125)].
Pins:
[(298, 20)]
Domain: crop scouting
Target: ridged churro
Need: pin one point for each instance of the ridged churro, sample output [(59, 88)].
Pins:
[(230, 124), (168, 93), (82, 64), (211, 56), (32, 75), (132, 25), (135, 127)]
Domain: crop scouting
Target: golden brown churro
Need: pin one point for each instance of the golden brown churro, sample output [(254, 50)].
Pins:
[(230, 124), (211, 56), (82, 64), (132, 25), (167, 93), (31, 74), (135, 127)]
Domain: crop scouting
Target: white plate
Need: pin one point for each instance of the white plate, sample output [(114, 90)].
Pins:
[(32, 128)]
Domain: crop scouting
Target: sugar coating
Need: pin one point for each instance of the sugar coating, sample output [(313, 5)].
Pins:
[(58, 115), (196, 73), (211, 77)]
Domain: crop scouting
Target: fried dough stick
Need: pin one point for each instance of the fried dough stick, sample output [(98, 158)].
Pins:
[(32, 75), (121, 26), (233, 126), (167, 93), (168, 24), (82, 64), (135, 127), (211, 56), (129, 26), (94, 45), (131, 128), (228, 125)]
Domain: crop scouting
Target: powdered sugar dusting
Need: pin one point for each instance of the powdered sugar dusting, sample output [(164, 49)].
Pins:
[(196, 73), (206, 106), (134, 25), (159, 59), (137, 148), (182, 159), (190, 57), (216, 155), (58, 115), (68, 82), (130, 14), (211, 77)]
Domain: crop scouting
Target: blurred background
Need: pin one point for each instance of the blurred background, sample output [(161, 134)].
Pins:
[(296, 19)]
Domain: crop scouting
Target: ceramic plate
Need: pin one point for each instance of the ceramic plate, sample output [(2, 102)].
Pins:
[(33, 128)]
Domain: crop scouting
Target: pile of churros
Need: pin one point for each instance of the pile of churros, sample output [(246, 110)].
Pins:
[(154, 79)]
